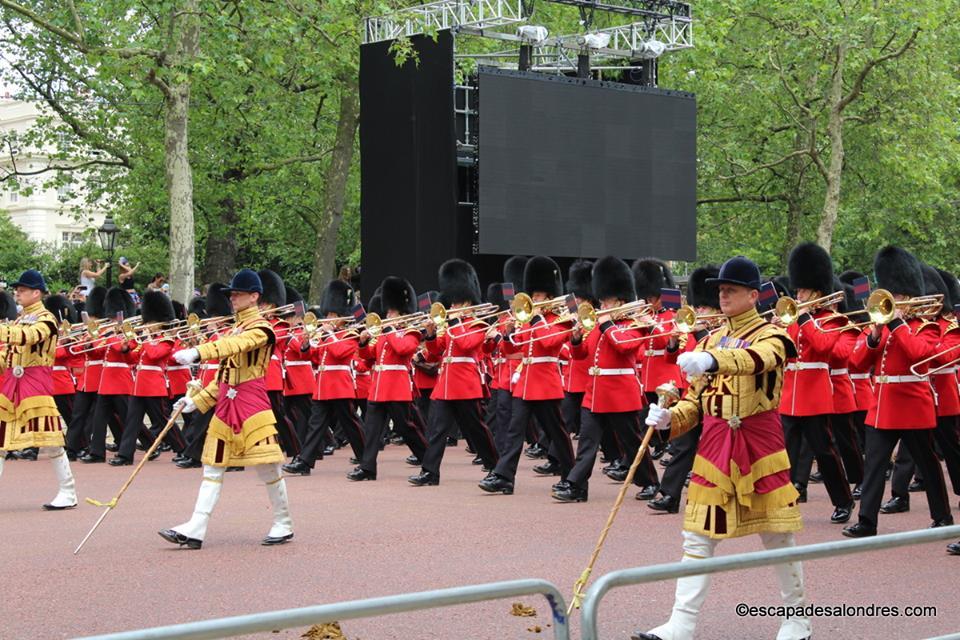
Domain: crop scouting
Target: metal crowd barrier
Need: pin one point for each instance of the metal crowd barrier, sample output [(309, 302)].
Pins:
[(641, 575), (306, 616)]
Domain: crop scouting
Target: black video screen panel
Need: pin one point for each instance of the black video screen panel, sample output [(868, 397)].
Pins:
[(583, 168)]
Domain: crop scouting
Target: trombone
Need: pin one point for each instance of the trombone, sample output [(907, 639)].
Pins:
[(524, 308), (936, 370), (882, 308), (685, 320), (588, 318), (788, 310)]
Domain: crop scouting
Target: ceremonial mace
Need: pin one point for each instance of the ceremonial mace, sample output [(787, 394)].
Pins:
[(192, 386), (667, 396)]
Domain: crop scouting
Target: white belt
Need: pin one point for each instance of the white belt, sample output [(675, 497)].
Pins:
[(275, 357), (116, 365), (362, 373), (497, 361), (541, 360), (57, 367), (655, 353), (390, 367), (335, 367), (942, 372), (149, 367), (597, 371), (839, 372), (94, 363), (859, 376), (180, 367), (459, 360), (895, 379), (302, 363), (800, 366), (210, 367)]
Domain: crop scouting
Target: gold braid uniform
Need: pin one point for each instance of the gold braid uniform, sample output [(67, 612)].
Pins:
[(741, 481), (242, 430), (28, 414)]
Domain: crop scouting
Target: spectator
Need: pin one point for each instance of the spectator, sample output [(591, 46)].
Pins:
[(126, 273), (157, 283), (88, 277)]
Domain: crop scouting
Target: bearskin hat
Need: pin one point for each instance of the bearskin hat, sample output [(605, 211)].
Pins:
[(118, 301), (495, 296), (612, 278), (782, 285), (375, 305), (61, 308), (898, 271), (933, 284), (513, 271), (95, 299), (8, 306), (651, 275), (293, 296), (458, 283), (542, 274), (179, 311), (198, 306), (396, 294), (701, 293), (952, 298), (156, 307), (274, 291), (337, 298), (580, 279), (218, 301), (848, 276), (809, 267)]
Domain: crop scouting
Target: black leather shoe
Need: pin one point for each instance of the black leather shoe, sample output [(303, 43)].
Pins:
[(570, 493), (359, 474), (119, 462), (164, 447), (945, 522), (657, 450), (896, 504), (857, 490), (54, 507), (424, 479), (178, 458), (496, 484), (477, 460), (412, 460), (451, 441), (327, 451), (154, 455), (563, 484), (649, 492), (470, 450), (802, 490), (535, 451), (297, 467), (71, 456), (189, 463), (27, 454), (173, 537), (550, 468), (90, 458), (640, 635), (271, 541), (859, 530), (617, 475), (665, 503), (842, 514), (954, 548), (916, 486), (236, 469), (112, 447), (665, 460), (816, 477)]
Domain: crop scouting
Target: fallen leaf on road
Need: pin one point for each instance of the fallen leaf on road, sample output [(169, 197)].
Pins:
[(521, 610), (535, 629), (327, 631)]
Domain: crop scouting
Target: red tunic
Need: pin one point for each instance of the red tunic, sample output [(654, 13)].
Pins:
[(459, 350), (178, 375), (362, 373), (904, 401), (540, 371), (807, 390), (299, 379), (63, 381), (335, 372), (208, 369), (506, 358), (945, 381), (117, 376), (93, 369), (844, 392), (391, 380), (613, 386), (576, 378), (274, 378), (658, 368), (151, 381), (424, 378)]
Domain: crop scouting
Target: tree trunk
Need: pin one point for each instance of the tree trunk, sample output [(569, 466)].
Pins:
[(179, 176), (220, 259), (792, 235), (335, 183), (831, 199)]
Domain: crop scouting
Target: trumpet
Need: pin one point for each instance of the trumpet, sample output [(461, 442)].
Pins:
[(788, 310)]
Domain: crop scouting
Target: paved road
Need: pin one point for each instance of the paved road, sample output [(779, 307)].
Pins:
[(378, 538)]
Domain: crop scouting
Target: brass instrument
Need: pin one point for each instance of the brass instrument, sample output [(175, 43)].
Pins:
[(685, 320), (524, 308), (788, 310), (586, 319), (882, 308)]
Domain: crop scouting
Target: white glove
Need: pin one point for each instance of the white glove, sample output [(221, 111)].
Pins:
[(659, 418), (695, 363), (186, 356), (185, 404)]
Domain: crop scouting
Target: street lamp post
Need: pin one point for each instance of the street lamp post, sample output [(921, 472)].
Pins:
[(108, 236)]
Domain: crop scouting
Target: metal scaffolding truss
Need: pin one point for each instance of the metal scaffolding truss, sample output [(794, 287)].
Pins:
[(630, 40), (444, 14)]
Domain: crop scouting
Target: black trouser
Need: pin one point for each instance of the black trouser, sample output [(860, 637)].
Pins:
[(323, 415), (423, 404), (547, 413), (81, 416), (198, 426), (286, 435), (880, 445), (681, 462), (106, 408), (859, 421), (592, 428), (298, 409), (659, 438), (502, 407), (800, 470), (570, 410), (629, 443), (445, 416), (816, 430), (159, 412), (64, 404), (406, 421), (946, 437), (848, 446)]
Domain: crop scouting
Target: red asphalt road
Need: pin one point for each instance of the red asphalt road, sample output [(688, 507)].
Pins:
[(359, 540)]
